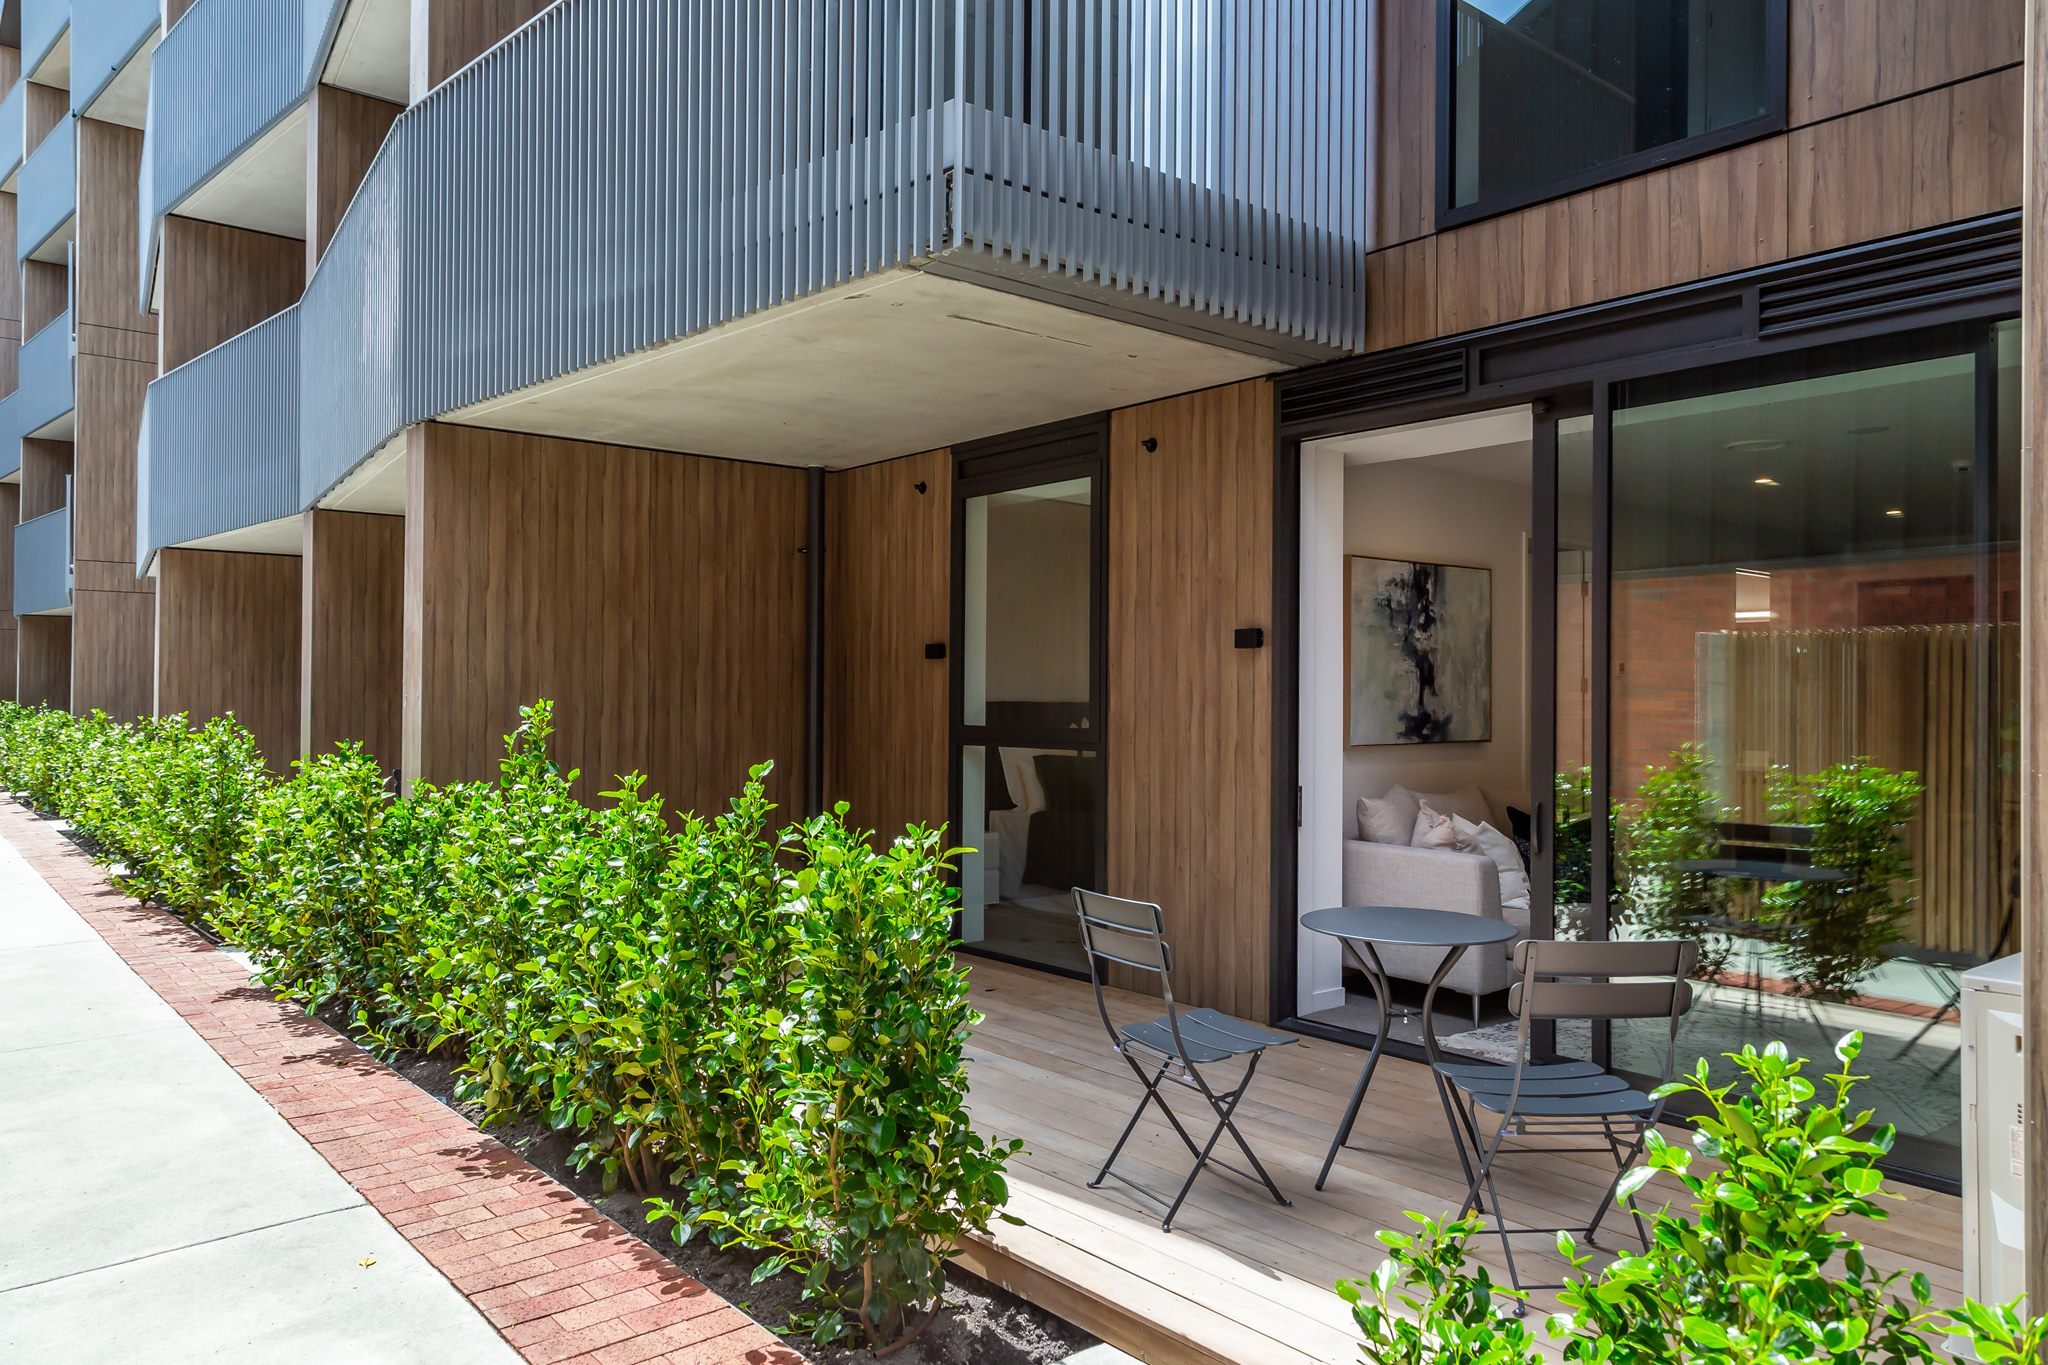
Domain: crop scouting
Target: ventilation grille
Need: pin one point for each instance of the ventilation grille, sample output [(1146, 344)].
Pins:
[(1360, 386), (1891, 280)]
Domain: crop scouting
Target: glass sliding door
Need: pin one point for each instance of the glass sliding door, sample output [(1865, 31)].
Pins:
[(1028, 696), (1808, 619)]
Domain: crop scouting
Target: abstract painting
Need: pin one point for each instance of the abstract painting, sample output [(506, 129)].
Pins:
[(1420, 666)]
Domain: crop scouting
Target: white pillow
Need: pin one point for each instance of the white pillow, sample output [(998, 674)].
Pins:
[(1433, 828), (1487, 841), (1020, 775), (1388, 819), (1468, 802)]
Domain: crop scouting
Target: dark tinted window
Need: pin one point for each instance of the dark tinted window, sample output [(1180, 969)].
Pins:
[(1543, 91)]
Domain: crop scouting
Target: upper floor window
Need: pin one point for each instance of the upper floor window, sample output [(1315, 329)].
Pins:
[(1543, 97)]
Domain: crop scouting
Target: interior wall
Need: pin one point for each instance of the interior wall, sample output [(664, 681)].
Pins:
[(1404, 509), (227, 628), (657, 599), (888, 556)]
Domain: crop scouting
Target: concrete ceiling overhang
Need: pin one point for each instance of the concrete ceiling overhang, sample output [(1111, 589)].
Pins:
[(125, 100), (899, 362)]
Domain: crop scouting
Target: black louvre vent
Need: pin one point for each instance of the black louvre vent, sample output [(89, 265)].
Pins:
[(1341, 389), (1892, 280)]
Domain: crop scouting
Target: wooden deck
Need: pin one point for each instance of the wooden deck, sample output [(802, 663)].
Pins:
[(1240, 1279)]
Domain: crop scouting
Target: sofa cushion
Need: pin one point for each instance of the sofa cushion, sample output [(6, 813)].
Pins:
[(1434, 828), (1486, 840), (1388, 819)]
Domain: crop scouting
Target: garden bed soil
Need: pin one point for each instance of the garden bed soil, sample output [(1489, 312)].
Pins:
[(981, 1325)]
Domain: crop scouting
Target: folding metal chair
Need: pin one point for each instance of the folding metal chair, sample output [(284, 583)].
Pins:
[(1608, 981), (1175, 1046)]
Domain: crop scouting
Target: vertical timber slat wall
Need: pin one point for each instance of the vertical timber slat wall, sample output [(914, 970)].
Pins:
[(44, 663), (343, 132), (657, 599), (227, 628), (448, 35), (352, 625), (2034, 661), (888, 557), (113, 625), (220, 281), (1190, 715), (10, 633)]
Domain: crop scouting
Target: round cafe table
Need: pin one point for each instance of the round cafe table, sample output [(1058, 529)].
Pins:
[(1366, 927)]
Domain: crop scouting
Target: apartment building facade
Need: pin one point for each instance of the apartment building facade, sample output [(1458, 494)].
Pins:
[(1015, 414)]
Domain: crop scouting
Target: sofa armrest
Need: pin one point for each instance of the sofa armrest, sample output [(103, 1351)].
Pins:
[(1427, 878)]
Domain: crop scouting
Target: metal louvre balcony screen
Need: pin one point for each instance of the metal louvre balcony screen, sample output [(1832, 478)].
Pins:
[(622, 173), (41, 22), (223, 76), (42, 563), (227, 425), (46, 194), (45, 390), (104, 35)]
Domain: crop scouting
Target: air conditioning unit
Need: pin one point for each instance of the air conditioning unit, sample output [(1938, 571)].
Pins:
[(1994, 1135)]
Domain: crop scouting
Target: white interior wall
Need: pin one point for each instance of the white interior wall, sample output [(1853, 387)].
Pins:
[(1319, 980), (1410, 510)]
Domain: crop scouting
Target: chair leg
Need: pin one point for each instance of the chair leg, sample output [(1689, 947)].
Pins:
[(1223, 1113), (1151, 1084), (1622, 1161), (1246, 1147)]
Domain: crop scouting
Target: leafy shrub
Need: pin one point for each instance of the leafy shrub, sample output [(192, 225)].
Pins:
[(770, 1022), (1858, 811), (1677, 819), (868, 1170), (1761, 1270)]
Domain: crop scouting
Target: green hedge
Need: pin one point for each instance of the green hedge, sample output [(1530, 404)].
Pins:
[(761, 1028)]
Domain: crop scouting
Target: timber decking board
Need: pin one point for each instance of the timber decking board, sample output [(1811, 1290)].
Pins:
[(1240, 1278), (888, 556)]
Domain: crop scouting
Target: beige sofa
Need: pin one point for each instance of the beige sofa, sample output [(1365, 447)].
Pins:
[(1435, 879)]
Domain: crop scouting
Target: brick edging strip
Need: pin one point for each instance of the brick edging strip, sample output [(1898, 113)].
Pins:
[(559, 1280)]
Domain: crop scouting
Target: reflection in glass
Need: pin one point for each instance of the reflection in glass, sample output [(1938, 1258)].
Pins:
[(1545, 90), (1814, 642)]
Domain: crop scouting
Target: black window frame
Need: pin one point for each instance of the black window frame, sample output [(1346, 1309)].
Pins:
[(1777, 39)]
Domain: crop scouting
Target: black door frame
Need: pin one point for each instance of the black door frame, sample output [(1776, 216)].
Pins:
[(1956, 273), (1048, 454)]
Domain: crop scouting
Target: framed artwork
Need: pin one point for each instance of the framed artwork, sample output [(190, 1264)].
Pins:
[(1419, 663)]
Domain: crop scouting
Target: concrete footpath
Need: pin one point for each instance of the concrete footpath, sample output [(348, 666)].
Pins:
[(191, 1171)]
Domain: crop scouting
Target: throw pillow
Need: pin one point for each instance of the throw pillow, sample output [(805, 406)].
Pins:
[(1433, 828), (1467, 801), (1489, 842), (1388, 819)]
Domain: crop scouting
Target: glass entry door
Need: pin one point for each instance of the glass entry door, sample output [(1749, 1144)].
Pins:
[(1028, 687)]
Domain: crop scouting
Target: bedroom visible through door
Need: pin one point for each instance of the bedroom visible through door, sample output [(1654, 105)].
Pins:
[(1028, 530)]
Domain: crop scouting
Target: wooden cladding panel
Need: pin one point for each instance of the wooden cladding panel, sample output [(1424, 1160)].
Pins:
[(1948, 154), (352, 628), (449, 34), (109, 163), (2032, 758), (10, 517), (109, 423), (1405, 126), (657, 599), (113, 652), (45, 476), (45, 292), (43, 661), (1190, 716), (1849, 54), (43, 108), (888, 556), (10, 280), (227, 640), (1936, 157), (219, 281), (343, 132)]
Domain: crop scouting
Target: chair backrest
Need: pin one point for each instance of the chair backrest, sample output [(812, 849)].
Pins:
[(1578, 980), (1126, 932)]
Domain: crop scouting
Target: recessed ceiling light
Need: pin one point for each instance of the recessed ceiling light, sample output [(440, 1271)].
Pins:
[(1754, 445), (1766, 481), (1895, 511)]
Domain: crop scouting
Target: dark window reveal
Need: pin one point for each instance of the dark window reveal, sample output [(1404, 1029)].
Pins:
[(1549, 96)]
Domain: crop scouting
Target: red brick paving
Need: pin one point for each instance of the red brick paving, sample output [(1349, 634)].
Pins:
[(559, 1280)]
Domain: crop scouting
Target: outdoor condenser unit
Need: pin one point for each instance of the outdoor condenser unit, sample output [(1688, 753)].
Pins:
[(1994, 1145)]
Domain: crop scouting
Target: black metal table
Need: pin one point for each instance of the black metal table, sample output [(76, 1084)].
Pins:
[(1407, 927)]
